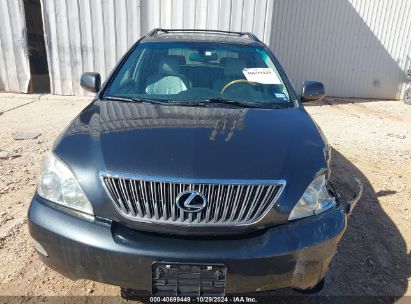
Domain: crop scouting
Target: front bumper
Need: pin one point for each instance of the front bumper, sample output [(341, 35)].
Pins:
[(296, 254)]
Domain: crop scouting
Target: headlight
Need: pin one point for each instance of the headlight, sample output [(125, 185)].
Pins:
[(58, 184), (315, 200)]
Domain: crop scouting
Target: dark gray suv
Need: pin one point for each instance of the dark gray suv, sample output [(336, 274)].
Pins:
[(195, 171)]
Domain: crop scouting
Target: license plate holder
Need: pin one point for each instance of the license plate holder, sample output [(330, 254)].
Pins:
[(188, 279)]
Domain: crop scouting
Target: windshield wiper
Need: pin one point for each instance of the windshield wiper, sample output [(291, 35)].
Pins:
[(241, 103), (138, 99), (118, 98)]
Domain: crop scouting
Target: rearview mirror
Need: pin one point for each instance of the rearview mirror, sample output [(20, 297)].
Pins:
[(206, 57), (91, 82), (312, 90)]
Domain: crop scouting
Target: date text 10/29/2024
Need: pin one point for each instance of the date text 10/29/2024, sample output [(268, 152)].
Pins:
[(237, 299)]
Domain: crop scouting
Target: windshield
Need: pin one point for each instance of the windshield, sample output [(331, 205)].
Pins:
[(200, 72)]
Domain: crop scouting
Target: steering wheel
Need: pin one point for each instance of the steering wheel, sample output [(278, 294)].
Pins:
[(235, 82)]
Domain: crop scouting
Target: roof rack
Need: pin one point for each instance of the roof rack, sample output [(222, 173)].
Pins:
[(161, 30)]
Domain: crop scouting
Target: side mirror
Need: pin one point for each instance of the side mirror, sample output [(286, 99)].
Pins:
[(91, 82), (312, 90)]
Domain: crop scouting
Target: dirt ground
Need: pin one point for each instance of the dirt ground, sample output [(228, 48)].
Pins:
[(370, 139)]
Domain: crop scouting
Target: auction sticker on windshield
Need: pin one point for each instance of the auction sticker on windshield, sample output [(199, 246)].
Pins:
[(261, 75)]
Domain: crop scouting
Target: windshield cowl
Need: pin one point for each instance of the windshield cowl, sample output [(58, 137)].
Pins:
[(212, 102)]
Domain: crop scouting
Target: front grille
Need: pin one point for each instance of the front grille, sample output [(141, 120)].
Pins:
[(228, 203)]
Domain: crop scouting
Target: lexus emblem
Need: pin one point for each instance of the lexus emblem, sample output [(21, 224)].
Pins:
[(191, 201)]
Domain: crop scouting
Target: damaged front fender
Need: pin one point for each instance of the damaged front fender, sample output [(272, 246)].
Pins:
[(348, 206)]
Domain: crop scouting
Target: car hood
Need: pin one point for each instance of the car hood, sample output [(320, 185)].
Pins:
[(195, 143)]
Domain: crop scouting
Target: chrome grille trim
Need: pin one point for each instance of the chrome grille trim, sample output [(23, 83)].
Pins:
[(230, 202)]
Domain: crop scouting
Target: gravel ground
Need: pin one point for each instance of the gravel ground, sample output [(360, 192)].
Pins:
[(370, 139)]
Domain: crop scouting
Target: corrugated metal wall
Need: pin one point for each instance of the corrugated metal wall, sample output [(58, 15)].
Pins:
[(93, 35), (235, 15), (14, 62), (86, 35), (359, 48)]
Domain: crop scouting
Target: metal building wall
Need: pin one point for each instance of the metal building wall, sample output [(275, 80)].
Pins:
[(235, 15), (358, 48), (92, 35), (86, 35), (14, 62)]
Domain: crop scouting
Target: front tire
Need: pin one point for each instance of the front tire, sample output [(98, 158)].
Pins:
[(317, 288), (133, 295)]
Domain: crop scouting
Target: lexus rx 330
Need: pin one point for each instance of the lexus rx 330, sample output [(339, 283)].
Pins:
[(194, 171)]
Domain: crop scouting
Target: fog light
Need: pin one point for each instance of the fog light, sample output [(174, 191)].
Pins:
[(40, 249)]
